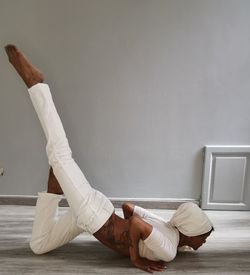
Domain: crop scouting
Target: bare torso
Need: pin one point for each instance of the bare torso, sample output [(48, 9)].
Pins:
[(115, 234)]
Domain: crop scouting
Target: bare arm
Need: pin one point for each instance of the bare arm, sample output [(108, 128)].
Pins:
[(141, 230)]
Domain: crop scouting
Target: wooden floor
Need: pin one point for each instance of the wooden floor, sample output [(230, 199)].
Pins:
[(227, 250)]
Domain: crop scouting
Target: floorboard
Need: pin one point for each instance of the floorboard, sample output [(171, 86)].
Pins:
[(227, 250)]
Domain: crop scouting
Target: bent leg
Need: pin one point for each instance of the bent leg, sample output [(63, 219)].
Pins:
[(50, 231)]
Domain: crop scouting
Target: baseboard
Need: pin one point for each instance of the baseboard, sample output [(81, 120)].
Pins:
[(151, 203)]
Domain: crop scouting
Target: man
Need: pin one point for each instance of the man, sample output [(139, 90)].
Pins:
[(147, 239)]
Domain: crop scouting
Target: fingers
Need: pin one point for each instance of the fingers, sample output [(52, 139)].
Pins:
[(159, 264), (148, 269), (157, 268), (152, 268)]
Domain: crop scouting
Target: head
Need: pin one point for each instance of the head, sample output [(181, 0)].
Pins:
[(194, 241), (193, 224)]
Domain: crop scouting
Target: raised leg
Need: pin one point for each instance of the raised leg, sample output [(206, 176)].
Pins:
[(58, 150)]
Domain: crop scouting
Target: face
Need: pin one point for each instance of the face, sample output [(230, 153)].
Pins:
[(197, 241)]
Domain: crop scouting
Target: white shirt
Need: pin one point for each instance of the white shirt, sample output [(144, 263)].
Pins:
[(162, 242)]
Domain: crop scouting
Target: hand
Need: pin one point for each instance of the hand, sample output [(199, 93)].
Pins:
[(149, 266)]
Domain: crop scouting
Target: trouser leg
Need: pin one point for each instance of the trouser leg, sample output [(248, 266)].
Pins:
[(71, 179), (49, 230), (90, 207)]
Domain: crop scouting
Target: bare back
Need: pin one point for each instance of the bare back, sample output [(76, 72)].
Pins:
[(115, 234)]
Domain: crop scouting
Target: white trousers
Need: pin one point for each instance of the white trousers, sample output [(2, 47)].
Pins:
[(89, 208)]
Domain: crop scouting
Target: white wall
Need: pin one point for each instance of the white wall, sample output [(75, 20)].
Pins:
[(141, 86)]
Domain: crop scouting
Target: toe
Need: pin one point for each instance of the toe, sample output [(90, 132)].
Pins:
[(10, 48)]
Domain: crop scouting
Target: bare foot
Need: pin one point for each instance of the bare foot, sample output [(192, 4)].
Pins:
[(25, 69), (53, 185)]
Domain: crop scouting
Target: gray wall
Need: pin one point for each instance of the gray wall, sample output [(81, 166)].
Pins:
[(141, 86)]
